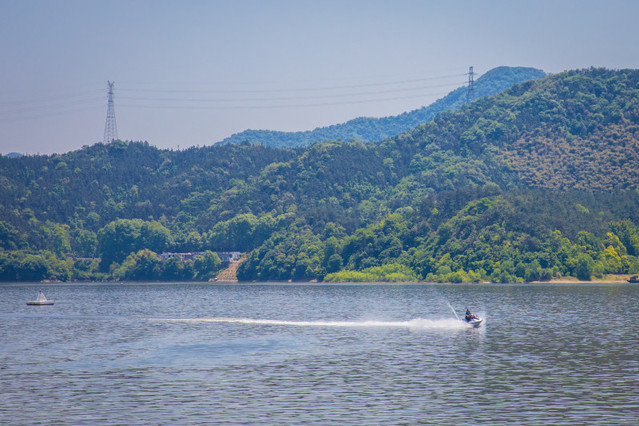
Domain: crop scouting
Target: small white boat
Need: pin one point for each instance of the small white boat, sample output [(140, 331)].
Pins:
[(41, 300)]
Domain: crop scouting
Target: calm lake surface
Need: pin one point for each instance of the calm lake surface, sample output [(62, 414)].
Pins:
[(319, 354)]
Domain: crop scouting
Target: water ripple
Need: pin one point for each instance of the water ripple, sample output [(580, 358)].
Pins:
[(311, 354)]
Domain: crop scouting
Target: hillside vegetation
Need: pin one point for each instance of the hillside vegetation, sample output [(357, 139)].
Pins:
[(367, 129), (537, 182)]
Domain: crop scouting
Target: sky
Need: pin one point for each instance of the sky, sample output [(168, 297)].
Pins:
[(191, 73)]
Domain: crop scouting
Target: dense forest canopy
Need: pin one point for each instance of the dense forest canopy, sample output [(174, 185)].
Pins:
[(536, 182)]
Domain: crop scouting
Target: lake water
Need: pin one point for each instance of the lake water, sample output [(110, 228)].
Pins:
[(319, 354)]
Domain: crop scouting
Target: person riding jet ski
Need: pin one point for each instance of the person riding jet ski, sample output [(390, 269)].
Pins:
[(472, 319), (469, 315)]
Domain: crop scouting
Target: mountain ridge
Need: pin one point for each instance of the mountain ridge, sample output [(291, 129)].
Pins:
[(368, 129)]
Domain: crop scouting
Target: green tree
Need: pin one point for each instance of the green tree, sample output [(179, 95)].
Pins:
[(175, 269), (143, 265), (206, 266), (85, 243), (334, 263), (612, 262), (9, 236), (58, 237), (117, 240), (155, 236), (124, 236), (584, 267), (32, 268)]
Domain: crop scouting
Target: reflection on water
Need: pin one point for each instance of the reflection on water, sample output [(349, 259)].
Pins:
[(319, 354)]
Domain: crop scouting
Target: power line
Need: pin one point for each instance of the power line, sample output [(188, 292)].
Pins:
[(283, 98), (299, 89), (191, 99), (273, 106), (6, 103), (35, 115), (51, 107)]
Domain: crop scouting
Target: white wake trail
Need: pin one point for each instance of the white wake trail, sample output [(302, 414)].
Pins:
[(417, 323)]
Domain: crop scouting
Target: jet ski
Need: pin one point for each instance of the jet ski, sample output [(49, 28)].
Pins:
[(473, 321), (470, 318)]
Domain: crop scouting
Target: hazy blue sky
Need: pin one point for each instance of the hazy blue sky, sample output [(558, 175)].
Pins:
[(194, 72)]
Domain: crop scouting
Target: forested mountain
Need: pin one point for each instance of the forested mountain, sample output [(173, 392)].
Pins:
[(368, 129), (536, 182)]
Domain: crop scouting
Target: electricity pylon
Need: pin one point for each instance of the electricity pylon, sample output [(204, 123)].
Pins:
[(470, 94), (110, 128)]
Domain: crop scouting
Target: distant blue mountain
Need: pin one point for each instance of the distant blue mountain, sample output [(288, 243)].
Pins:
[(375, 129), (13, 155)]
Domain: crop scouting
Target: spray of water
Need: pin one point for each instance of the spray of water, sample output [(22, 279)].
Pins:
[(453, 309), (416, 323)]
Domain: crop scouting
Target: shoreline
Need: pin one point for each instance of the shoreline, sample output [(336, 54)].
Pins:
[(606, 279), (566, 281)]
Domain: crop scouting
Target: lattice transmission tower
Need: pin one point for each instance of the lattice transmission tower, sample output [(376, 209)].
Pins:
[(470, 94), (110, 128)]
